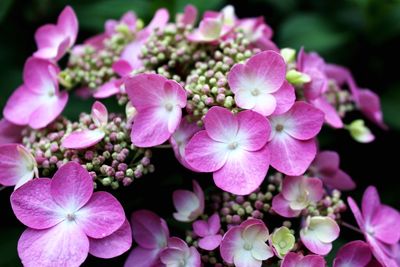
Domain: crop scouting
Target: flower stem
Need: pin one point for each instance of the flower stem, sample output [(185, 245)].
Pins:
[(345, 224), (163, 146), (2, 188)]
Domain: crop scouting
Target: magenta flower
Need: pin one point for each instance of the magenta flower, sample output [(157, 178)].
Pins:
[(89, 137), (159, 104), (17, 165), (64, 216), (209, 232), (260, 84), (189, 205), (355, 253), (53, 41), (233, 148), (9, 132), (326, 167), (379, 223), (151, 233), (318, 234), (245, 245), (297, 260), (291, 143), (38, 101), (189, 15), (369, 104), (297, 193), (179, 254)]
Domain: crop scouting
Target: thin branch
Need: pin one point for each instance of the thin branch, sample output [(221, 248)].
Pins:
[(351, 227)]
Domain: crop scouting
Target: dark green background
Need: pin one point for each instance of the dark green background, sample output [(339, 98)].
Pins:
[(361, 34)]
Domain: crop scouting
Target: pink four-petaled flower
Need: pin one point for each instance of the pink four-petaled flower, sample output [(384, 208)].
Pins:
[(208, 232), (297, 260)]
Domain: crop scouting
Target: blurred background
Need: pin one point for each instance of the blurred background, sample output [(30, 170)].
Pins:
[(363, 35)]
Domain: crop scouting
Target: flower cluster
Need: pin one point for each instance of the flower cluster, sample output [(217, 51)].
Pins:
[(227, 101)]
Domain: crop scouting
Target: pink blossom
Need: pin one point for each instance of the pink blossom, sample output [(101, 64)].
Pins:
[(54, 40), (233, 148), (179, 254), (291, 143), (260, 84), (128, 20), (189, 205), (297, 260), (17, 165), (258, 33), (326, 167), (89, 137), (64, 216), (369, 104), (151, 233), (159, 104), (318, 234), (355, 253), (245, 245), (189, 16), (379, 223), (297, 193), (208, 231), (9, 132), (38, 101)]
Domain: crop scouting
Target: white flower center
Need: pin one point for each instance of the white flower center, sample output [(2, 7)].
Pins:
[(168, 106), (233, 145), (255, 92), (248, 246)]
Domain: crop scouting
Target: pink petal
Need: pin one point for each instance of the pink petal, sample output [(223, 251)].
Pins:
[(61, 245), (383, 222), (312, 243), (199, 194), (210, 29), (40, 76), (331, 115), (190, 15), (370, 105), (99, 114), (130, 55), (261, 251), (245, 259), (201, 228), (172, 257), (371, 203), (338, 73), (68, 24), (355, 253), (231, 241), (243, 171), (356, 212), (254, 130), (325, 229), (314, 188), (71, 186), (214, 224), (9, 132), (255, 232), (221, 125), (282, 206), (142, 257), (186, 203), (49, 39), (378, 250), (312, 261), (285, 98), (113, 245), (210, 242), (291, 259), (108, 89), (159, 20), (83, 139), (122, 68), (341, 181), (327, 162)]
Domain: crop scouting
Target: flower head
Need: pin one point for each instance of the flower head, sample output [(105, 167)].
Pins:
[(297, 260), (233, 148), (179, 254), (189, 205), (208, 231), (355, 253), (282, 241)]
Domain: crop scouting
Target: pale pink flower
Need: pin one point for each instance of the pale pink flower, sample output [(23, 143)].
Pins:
[(292, 144), (179, 254), (10, 132), (159, 104), (208, 231), (89, 137), (189, 205), (297, 193), (54, 40), (245, 245), (17, 165), (318, 234), (380, 225), (38, 101), (258, 33), (297, 260), (151, 233), (233, 148), (64, 216), (355, 253)]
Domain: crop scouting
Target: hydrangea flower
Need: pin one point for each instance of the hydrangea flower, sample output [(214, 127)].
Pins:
[(233, 148), (17, 165), (258, 33), (260, 84), (89, 137), (326, 167), (318, 234), (297, 260), (291, 143), (369, 104), (179, 254), (9, 132), (189, 15), (297, 193), (208, 231), (38, 101), (282, 241), (245, 245), (189, 205), (53, 41), (159, 104), (64, 216), (379, 223), (355, 253)]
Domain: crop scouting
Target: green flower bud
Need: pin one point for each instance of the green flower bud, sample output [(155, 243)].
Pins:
[(283, 241), (297, 78), (360, 132), (288, 54)]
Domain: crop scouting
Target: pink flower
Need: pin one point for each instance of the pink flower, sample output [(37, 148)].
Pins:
[(297, 193), (89, 137), (128, 20), (159, 104), (208, 231), (258, 33), (260, 84), (189, 16), (17, 165), (326, 167), (355, 253), (297, 260), (64, 216), (38, 101), (53, 41), (291, 143), (9, 132), (369, 104), (179, 254), (233, 148), (151, 233), (318, 234), (379, 223), (189, 205), (245, 245)]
